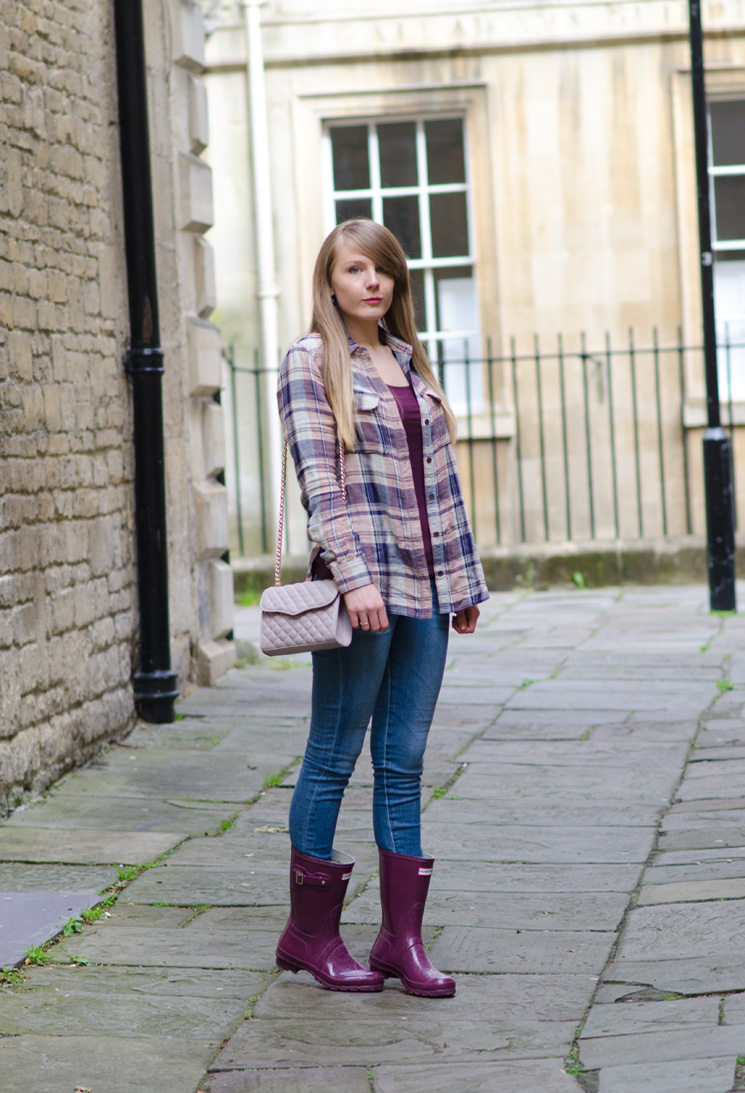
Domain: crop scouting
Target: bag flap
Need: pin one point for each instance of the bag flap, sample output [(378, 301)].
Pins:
[(294, 599)]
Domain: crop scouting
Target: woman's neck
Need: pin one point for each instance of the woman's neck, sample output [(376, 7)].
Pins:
[(364, 334)]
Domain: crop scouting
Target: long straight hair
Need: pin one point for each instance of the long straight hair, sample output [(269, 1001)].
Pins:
[(381, 246)]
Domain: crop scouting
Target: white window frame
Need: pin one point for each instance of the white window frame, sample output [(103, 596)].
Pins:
[(731, 356), (376, 192)]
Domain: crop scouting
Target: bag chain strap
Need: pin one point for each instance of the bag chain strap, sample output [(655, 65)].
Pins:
[(281, 528)]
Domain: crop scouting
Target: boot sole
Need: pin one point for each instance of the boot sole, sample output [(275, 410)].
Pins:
[(294, 967), (392, 974)]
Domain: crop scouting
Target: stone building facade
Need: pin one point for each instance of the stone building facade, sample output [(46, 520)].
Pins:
[(574, 188), (68, 604)]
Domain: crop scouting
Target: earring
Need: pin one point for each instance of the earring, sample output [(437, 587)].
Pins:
[(333, 299)]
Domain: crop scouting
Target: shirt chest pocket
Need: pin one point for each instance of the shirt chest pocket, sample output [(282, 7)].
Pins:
[(373, 434)]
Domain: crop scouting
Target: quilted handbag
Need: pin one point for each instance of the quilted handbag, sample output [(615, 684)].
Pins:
[(309, 615)]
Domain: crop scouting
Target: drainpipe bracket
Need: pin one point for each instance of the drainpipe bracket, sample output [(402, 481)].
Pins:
[(144, 360), (154, 694)]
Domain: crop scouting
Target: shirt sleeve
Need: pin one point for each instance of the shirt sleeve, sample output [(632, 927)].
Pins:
[(310, 429)]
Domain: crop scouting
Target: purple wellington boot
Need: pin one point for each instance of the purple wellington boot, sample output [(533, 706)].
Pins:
[(310, 941), (398, 950)]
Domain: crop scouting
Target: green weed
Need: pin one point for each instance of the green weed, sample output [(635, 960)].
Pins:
[(73, 925), (724, 685), (438, 792), (272, 780), (9, 977), (35, 954), (225, 825), (80, 961), (579, 580)]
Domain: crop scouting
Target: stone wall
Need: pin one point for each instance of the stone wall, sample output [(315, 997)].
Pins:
[(68, 625)]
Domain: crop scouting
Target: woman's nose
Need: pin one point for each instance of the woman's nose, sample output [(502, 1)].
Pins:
[(372, 278)]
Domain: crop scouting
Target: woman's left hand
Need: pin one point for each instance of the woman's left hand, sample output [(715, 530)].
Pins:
[(464, 622)]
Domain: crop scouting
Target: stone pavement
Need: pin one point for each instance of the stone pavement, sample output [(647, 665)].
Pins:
[(585, 801)]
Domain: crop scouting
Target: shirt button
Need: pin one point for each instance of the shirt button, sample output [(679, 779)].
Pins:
[(429, 458), (431, 497), (436, 534), (440, 573), (426, 421)]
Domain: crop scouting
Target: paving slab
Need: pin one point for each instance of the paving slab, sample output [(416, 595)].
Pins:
[(652, 1046), (313, 1042), (623, 1019), (69, 811), (218, 886), (26, 877), (106, 1064), (331, 1079), (484, 842), (708, 838), (169, 982), (513, 781), (454, 809), (65, 1009), (687, 975), (458, 876), (698, 930), (213, 781), (84, 846), (491, 753), (694, 1076), (28, 919), (517, 910), (509, 999), (703, 819), (475, 949), (693, 892), (536, 1076)]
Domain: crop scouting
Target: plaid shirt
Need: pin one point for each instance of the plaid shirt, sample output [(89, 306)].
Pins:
[(377, 537)]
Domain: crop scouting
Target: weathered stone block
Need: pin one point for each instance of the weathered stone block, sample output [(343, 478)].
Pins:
[(205, 362), (211, 510), (198, 117), (187, 29), (214, 659), (221, 598), (213, 437), (204, 277), (195, 182)]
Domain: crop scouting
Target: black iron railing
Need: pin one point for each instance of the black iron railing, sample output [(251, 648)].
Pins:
[(569, 443)]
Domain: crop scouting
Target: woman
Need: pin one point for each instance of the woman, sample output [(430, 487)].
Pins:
[(402, 554)]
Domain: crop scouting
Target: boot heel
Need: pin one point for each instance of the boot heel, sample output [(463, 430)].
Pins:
[(286, 965)]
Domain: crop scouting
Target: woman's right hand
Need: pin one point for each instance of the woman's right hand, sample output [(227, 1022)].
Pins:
[(366, 608)]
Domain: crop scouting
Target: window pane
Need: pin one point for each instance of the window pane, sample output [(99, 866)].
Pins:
[(445, 161), (729, 199), (351, 160), (350, 207), (449, 220), (728, 132), (401, 216), (397, 142), (417, 296)]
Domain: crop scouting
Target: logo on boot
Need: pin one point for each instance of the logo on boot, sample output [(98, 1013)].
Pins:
[(424, 872)]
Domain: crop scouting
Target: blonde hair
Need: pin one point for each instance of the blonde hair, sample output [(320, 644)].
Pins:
[(382, 247)]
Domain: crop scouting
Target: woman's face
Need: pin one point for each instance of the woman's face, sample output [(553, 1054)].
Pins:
[(362, 290)]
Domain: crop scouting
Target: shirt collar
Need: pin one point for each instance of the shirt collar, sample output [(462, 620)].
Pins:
[(401, 349)]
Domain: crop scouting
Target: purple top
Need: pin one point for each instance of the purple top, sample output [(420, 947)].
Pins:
[(411, 418)]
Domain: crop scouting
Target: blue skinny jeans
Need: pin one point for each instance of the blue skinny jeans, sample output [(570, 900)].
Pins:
[(394, 678)]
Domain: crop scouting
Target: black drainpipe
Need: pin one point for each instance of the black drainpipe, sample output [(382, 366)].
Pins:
[(154, 684)]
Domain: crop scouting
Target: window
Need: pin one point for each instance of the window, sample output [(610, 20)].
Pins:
[(411, 175), (727, 176)]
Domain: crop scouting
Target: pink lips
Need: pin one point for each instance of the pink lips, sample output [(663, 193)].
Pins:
[(372, 299)]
